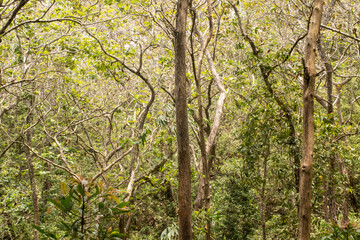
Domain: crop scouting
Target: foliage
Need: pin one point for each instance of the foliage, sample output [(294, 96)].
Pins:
[(347, 231), (86, 210), (170, 233), (76, 85)]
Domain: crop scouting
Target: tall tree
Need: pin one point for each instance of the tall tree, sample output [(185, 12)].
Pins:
[(308, 121), (183, 141), (329, 203), (207, 147), (30, 165)]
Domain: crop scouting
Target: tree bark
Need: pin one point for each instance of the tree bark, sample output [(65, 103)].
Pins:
[(182, 128), (308, 122)]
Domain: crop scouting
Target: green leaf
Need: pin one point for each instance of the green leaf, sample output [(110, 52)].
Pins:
[(57, 205), (67, 203), (80, 189), (42, 231), (101, 205)]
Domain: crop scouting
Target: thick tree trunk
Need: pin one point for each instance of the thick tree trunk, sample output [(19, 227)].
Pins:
[(308, 122), (182, 128)]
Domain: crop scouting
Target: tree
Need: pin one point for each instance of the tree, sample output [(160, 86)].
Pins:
[(183, 141), (308, 121)]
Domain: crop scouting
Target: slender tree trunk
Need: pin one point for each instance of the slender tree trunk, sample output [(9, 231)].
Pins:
[(263, 191), (129, 190), (342, 168), (329, 208), (346, 204), (203, 198), (34, 192), (308, 122), (200, 197), (35, 201), (45, 189), (135, 152), (294, 148), (182, 128), (329, 202)]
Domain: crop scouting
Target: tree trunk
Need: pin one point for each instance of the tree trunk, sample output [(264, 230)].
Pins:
[(308, 122), (346, 204), (263, 191), (45, 189), (182, 128), (343, 170), (329, 208), (35, 201), (329, 202)]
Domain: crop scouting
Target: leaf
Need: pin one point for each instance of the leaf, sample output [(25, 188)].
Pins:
[(116, 235), (49, 209), (123, 204), (80, 189), (74, 180), (101, 205), (97, 192), (63, 226), (57, 204), (114, 197), (42, 231), (63, 188), (66, 203), (121, 208)]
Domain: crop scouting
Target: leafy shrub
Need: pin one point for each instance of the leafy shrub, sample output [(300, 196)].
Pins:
[(85, 209), (347, 231)]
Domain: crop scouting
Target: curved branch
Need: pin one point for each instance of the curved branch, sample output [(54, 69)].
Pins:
[(12, 17), (340, 32)]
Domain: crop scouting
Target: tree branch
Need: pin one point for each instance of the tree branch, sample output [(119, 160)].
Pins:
[(342, 33)]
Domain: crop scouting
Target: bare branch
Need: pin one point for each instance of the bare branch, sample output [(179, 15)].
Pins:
[(52, 163), (12, 17), (322, 101), (153, 170), (348, 134), (111, 164), (342, 33)]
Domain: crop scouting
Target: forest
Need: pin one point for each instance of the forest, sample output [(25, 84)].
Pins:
[(179, 119)]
